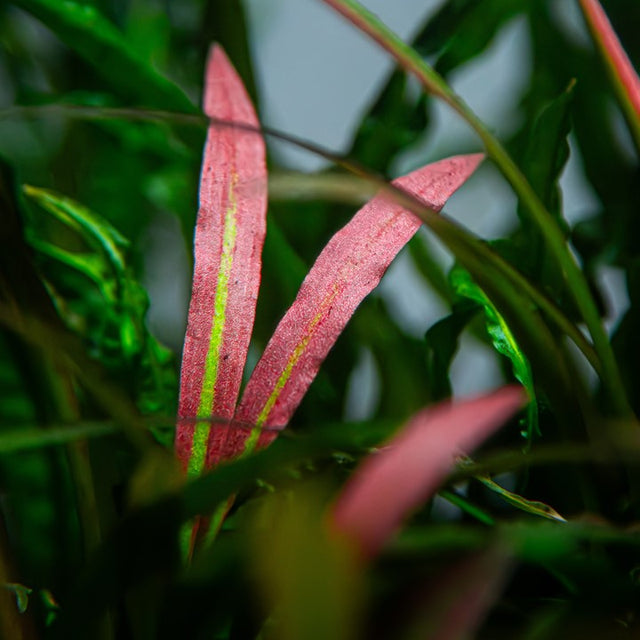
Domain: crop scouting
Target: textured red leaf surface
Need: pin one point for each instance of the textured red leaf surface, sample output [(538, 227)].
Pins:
[(407, 472), (617, 59), (229, 235), (349, 267)]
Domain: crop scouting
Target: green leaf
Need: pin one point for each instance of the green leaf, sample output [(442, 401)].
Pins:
[(85, 30), (544, 161), (99, 233), (311, 578), (462, 29), (530, 506), (503, 340), (21, 593), (23, 439), (441, 341), (224, 22), (394, 122), (113, 322)]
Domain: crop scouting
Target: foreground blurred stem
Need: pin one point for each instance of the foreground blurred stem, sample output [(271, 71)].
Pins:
[(411, 61)]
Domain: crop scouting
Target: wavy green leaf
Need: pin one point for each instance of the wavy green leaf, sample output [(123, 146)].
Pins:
[(503, 341)]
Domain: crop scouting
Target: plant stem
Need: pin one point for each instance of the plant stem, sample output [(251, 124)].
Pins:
[(411, 61)]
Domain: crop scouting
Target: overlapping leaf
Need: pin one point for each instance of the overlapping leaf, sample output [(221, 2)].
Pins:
[(623, 75), (349, 267), (406, 473), (228, 243)]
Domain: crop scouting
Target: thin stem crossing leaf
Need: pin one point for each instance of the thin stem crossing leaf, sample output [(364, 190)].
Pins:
[(229, 236)]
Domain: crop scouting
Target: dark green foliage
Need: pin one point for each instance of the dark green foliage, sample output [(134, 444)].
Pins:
[(90, 499)]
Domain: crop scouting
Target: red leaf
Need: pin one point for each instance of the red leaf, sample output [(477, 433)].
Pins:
[(462, 595), (349, 268), (406, 473), (229, 235), (620, 67)]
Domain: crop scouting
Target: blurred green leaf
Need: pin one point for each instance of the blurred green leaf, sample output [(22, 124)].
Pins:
[(83, 28), (462, 29), (309, 576), (21, 593), (393, 123), (442, 344), (224, 21), (545, 157), (114, 322), (12, 440)]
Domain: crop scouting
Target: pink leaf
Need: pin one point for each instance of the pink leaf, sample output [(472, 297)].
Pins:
[(406, 473), (462, 595), (349, 267), (624, 75), (229, 235)]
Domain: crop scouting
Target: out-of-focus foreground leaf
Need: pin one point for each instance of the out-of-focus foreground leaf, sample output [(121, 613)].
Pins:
[(407, 471)]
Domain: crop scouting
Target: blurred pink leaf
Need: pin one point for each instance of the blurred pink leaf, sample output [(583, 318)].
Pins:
[(229, 235), (462, 595), (403, 475)]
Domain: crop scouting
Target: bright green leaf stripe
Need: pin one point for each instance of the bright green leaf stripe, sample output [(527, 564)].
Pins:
[(297, 353), (207, 395), (85, 30)]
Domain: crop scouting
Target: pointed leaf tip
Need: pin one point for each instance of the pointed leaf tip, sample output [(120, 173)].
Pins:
[(348, 269), (403, 475), (229, 236)]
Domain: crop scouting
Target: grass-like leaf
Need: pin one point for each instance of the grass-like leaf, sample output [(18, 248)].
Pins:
[(625, 78), (349, 267), (406, 473), (229, 237)]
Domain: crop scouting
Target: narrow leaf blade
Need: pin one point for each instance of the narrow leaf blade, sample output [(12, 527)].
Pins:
[(623, 75), (349, 268), (229, 236), (400, 477)]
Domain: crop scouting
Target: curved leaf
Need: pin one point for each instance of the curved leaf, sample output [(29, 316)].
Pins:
[(623, 75), (406, 473), (503, 341), (349, 268)]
